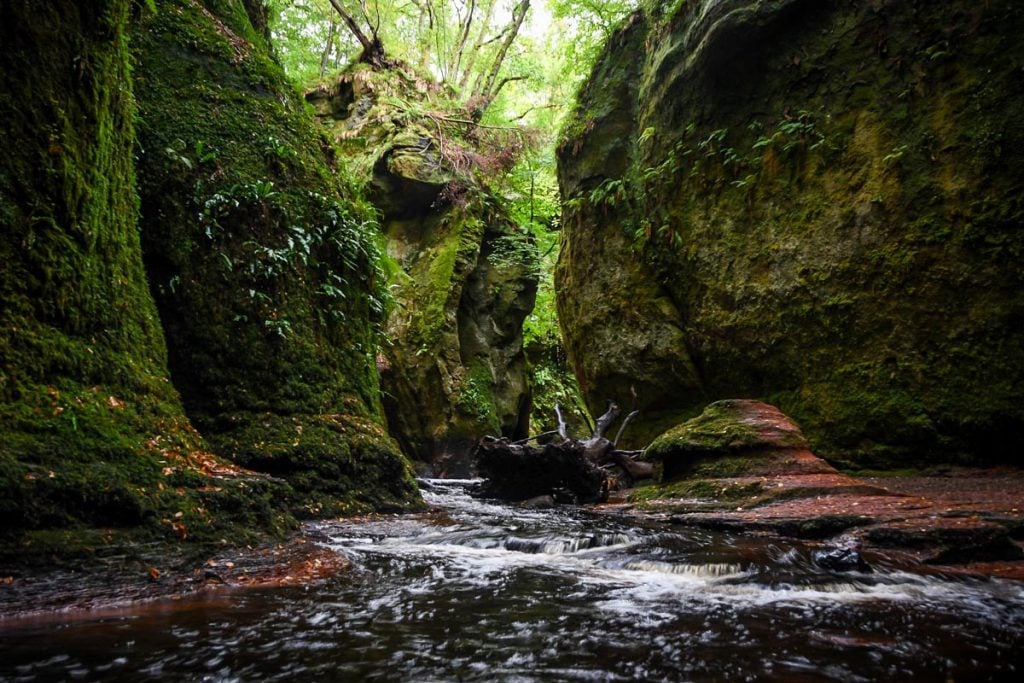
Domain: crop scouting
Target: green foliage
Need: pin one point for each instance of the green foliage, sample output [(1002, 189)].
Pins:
[(581, 30), (92, 431), (515, 249), (474, 398), (610, 192), (269, 260), (454, 40), (554, 383), (791, 132), (786, 238)]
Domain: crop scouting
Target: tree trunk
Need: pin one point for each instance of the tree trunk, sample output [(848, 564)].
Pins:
[(569, 470), (463, 39), (485, 93), (325, 56), (477, 46), (373, 50)]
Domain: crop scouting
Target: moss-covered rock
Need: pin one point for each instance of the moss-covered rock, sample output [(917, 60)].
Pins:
[(463, 277), (554, 384), (813, 203), (263, 262), (735, 438), (92, 433)]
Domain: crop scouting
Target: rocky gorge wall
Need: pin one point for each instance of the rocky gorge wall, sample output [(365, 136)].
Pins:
[(263, 262), (463, 275), (95, 447), (813, 203)]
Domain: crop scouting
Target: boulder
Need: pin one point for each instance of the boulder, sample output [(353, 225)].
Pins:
[(96, 450), (463, 276), (736, 438), (263, 262)]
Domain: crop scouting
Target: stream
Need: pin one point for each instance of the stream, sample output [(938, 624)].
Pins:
[(478, 591)]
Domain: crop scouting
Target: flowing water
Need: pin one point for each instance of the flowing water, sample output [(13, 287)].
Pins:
[(487, 592)]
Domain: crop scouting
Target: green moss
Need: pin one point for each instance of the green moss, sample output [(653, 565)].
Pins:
[(554, 383), (453, 367), (718, 428), (474, 399), (452, 254), (328, 459), (92, 432), (729, 439), (725, 492), (263, 260), (848, 251)]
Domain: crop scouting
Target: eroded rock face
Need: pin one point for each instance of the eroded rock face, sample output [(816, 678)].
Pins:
[(465, 278), (95, 448), (262, 263), (736, 438), (814, 203)]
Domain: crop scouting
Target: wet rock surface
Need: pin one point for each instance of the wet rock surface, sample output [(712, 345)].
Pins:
[(119, 578), (476, 590), (734, 437), (745, 466), (961, 521), (964, 519), (792, 201)]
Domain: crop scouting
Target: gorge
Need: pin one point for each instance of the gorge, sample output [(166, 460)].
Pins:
[(248, 325)]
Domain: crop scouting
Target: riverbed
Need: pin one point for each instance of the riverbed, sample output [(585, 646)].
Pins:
[(477, 590)]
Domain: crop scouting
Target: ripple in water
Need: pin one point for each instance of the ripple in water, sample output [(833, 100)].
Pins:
[(483, 591)]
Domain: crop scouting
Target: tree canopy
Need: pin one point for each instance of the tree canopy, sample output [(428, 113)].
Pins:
[(536, 50), (508, 63)]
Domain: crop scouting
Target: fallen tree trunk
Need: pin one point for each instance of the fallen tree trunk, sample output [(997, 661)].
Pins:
[(568, 470)]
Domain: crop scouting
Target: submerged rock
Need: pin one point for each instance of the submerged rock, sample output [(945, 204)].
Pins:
[(814, 203), (736, 438), (844, 556)]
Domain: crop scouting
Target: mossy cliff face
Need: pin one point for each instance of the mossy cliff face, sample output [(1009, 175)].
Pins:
[(262, 261), (814, 203), (463, 280), (92, 433)]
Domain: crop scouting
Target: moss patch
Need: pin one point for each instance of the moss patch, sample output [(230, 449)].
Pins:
[(92, 432), (699, 489), (462, 275), (263, 261), (846, 250)]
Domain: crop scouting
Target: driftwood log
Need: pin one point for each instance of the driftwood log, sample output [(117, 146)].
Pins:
[(567, 469)]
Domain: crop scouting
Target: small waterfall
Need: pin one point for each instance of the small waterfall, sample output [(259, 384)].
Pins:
[(566, 546), (477, 591), (704, 571)]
